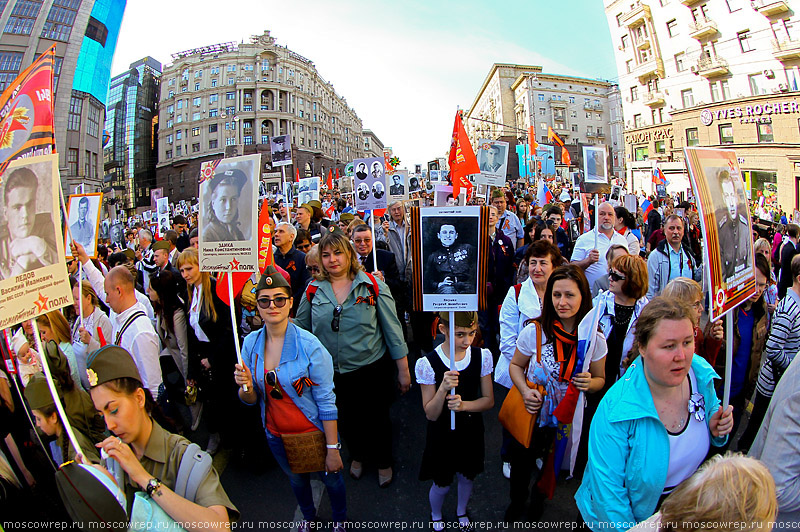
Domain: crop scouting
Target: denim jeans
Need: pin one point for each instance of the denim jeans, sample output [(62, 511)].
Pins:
[(301, 485)]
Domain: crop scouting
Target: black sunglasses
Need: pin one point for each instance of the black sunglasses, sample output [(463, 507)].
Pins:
[(271, 378), (312, 269), (264, 302), (335, 322), (614, 276)]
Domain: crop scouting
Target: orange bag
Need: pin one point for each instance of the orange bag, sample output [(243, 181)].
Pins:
[(513, 415)]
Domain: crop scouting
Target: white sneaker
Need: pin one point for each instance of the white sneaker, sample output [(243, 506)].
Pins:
[(507, 469), (197, 412), (213, 444)]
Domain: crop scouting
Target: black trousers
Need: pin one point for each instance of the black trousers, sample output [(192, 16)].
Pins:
[(760, 405), (523, 464), (363, 398)]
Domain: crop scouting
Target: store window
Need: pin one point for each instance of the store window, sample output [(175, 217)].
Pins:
[(692, 138), (726, 133), (765, 133), (640, 153), (661, 146)]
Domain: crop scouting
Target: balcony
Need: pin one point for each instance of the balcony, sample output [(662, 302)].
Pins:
[(642, 43), (599, 134), (710, 67), (702, 28), (636, 16), (557, 103), (786, 50), (768, 9), (648, 69), (561, 129), (591, 133), (654, 99)]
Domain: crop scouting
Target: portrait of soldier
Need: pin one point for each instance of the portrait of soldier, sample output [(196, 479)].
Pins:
[(377, 190), (361, 171), (733, 230), (397, 188), (363, 191), (452, 267), (82, 230), (492, 159), (222, 211), (377, 170), (27, 241)]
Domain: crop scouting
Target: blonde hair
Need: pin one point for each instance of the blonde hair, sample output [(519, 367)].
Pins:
[(87, 291), (313, 257), (189, 256), (58, 325), (764, 243), (8, 474), (338, 242), (730, 492), (684, 290)]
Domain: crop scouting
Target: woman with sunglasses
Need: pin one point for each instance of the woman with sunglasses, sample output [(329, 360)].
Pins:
[(354, 316), (294, 391)]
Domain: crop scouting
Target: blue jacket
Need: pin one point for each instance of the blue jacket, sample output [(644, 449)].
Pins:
[(302, 356), (629, 450)]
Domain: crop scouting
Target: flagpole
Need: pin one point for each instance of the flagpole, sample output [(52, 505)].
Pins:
[(283, 181), (452, 346), (233, 322), (596, 221), (374, 251)]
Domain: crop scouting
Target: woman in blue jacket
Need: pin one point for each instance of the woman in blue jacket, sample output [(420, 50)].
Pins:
[(655, 426), (294, 391)]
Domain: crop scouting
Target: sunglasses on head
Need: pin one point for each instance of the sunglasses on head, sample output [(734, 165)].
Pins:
[(271, 378), (264, 302), (313, 269), (303, 247), (614, 276), (335, 322)]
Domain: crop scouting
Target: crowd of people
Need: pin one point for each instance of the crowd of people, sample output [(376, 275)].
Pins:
[(601, 331)]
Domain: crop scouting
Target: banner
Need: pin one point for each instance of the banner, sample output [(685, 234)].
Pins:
[(83, 219), (370, 184), (228, 216), (26, 113), (33, 271), (595, 170)]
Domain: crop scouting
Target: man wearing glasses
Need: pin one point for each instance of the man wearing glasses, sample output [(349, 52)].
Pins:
[(671, 259), (291, 259)]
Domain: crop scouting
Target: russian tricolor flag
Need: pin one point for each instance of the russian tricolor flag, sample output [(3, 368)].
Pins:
[(646, 208), (543, 194)]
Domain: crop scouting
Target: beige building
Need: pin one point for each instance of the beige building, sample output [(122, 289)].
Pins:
[(513, 97), (710, 73), (229, 99), (373, 147)]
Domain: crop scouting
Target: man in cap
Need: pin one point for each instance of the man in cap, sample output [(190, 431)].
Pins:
[(508, 222), (83, 230), (452, 269), (291, 260), (222, 211)]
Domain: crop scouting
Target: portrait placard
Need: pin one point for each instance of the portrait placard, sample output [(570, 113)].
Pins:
[(228, 215), (370, 184), (492, 158), (83, 218), (595, 169), (727, 230), (281, 148), (33, 271), (309, 190), (398, 185), (631, 203), (448, 243), (162, 219), (116, 233)]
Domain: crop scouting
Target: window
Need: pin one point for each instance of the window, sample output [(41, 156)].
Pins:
[(178, 150), (23, 17), (542, 111), (661, 146), (213, 112), (726, 89), (97, 31), (637, 120), (87, 163), (230, 95), (214, 70), (231, 68), (726, 134), (72, 161), (764, 132), (214, 98), (171, 82), (195, 131), (541, 97), (195, 147), (179, 134), (230, 141), (755, 84), (692, 139), (619, 19), (169, 139), (231, 81), (672, 28), (60, 19), (212, 128), (171, 94), (543, 125), (734, 5), (212, 144), (248, 139), (214, 82), (629, 65), (634, 93), (640, 153), (599, 117), (180, 104), (75, 109), (197, 101), (9, 67), (575, 127), (589, 131), (169, 154), (624, 41), (573, 114), (714, 91), (679, 64), (687, 98), (169, 122), (745, 41), (197, 115), (588, 115), (179, 119), (572, 99), (196, 86)]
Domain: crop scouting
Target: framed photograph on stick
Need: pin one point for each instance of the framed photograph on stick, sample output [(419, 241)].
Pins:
[(83, 218), (595, 170)]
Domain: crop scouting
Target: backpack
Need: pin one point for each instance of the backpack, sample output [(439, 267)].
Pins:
[(311, 289)]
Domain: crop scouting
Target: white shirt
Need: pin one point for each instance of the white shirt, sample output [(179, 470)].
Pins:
[(585, 243), (513, 315), (194, 314), (96, 279), (141, 341), (425, 374), (96, 320)]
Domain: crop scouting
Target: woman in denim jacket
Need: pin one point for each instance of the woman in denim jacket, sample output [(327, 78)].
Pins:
[(294, 392), (655, 426)]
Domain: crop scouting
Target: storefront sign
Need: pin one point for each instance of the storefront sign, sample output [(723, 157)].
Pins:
[(750, 114), (646, 136)]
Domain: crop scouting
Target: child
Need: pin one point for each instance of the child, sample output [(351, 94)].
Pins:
[(461, 451)]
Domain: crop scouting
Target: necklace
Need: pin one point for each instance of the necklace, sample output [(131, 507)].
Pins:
[(342, 289)]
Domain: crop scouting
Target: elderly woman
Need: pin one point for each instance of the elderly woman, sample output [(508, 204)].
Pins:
[(353, 314), (222, 223), (654, 427), (294, 391)]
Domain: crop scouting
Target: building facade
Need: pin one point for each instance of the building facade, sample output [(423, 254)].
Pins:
[(710, 73), (131, 153), (514, 97), (85, 35), (229, 99), (373, 147)]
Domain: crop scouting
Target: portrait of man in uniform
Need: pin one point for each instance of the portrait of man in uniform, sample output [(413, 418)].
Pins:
[(451, 268), (377, 170), (361, 171), (733, 227), (84, 220), (397, 188), (281, 148), (493, 159), (363, 191)]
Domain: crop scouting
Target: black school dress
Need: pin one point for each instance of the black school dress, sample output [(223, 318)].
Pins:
[(448, 452)]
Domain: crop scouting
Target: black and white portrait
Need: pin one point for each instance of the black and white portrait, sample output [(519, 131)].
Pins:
[(492, 159), (594, 165), (397, 188), (736, 253), (377, 190), (361, 171), (281, 148), (376, 170), (372, 195), (222, 209), (27, 238), (84, 221), (162, 220), (450, 251), (363, 191), (413, 184), (117, 234)]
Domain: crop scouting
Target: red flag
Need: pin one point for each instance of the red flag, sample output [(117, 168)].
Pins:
[(565, 158), (297, 173), (461, 159), (101, 337), (239, 280), (264, 239), (532, 140), (337, 175), (551, 136), (329, 212), (329, 184)]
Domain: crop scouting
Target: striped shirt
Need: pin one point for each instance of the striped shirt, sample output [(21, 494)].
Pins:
[(783, 341)]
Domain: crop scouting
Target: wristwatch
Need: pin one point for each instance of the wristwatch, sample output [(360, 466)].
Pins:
[(336, 446), (152, 486)]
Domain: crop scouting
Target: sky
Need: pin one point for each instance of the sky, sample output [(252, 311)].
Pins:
[(405, 67)]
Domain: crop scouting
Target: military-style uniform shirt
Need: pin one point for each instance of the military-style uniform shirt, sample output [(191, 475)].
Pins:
[(459, 262), (87, 447), (162, 458), (82, 233), (733, 240)]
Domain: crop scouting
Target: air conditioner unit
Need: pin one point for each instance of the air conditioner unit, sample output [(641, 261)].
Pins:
[(769, 74), (783, 87)]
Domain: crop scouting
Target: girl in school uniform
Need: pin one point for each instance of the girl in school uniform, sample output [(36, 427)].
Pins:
[(458, 452)]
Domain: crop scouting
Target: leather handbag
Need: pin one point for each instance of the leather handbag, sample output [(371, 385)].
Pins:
[(305, 452), (513, 415)]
